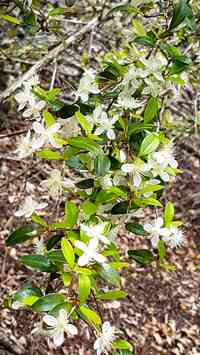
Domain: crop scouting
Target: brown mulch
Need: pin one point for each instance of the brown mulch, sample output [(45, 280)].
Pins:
[(161, 314)]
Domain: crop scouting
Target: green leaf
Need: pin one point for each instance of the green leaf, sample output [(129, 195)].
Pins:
[(111, 295), (149, 41), (142, 256), (39, 262), (68, 252), (48, 302), (11, 19), (122, 344), (85, 184), (136, 228), (56, 256), (68, 111), (49, 155), (21, 235), (57, 11), (71, 214), (48, 118), (161, 251), (149, 144), (67, 279), (139, 28), (169, 213), (39, 220), (83, 122), (27, 290), (135, 128), (84, 285), (151, 109), (147, 202), (125, 8), (101, 165), (181, 11), (121, 208), (89, 208), (53, 241), (85, 144), (90, 315)]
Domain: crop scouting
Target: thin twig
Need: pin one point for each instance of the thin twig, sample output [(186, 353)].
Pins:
[(16, 133), (53, 53)]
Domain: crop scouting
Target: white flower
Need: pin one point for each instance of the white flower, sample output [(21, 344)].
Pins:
[(156, 230), (126, 100), (60, 325), (87, 85), (24, 146), (34, 108), (165, 156), (158, 169), (153, 66), (96, 231), (39, 247), (104, 342), (176, 237), (29, 207), (56, 183), (23, 97), (46, 135), (136, 170), (106, 124), (70, 127), (89, 252)]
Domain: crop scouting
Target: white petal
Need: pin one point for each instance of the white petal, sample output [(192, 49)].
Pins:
[(50, 320), (137, 180), (154, 241), (58, 338), (38, 128), (71, 329), (93, 243), (111, 134), (159, 222), (42, 205), (99, 258), (99, 131), (54, 128), (19, 213), (164, 176), (148, 227), (83, 260), (80, 245), (127, 168), (38, 143)]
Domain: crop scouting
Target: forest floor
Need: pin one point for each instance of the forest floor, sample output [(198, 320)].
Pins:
[(160, 316)]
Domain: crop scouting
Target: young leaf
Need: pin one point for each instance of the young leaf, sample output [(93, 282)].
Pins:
[(90, 315), (49, 155), (84, 285), (83, 122), (169, 213), (142, 256), (149, 144), (11, 19), (89, 208), (68, 252), (161, 251), (122, 344), (21, 235), (71, 214), (111, 295)]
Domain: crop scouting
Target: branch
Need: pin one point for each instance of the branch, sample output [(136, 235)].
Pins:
[(53, 53)]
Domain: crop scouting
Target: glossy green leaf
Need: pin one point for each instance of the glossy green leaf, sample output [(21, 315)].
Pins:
[(136, 228), (151, 109), (111, 295), (149, 144), (86, 144), (21, 235), (39, 220), (142, 256), (179, 14), (83, 122), (39, 262), (48, 302), (85, 184), (11, 19), (71, 214), (53, 241), (68, 252), (89, 208), (90, 315), (161, 250), (84, 287)]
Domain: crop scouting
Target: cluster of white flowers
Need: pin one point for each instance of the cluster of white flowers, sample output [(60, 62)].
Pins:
[(171, 235), (90, 251), (29, 207), (87, 85)]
